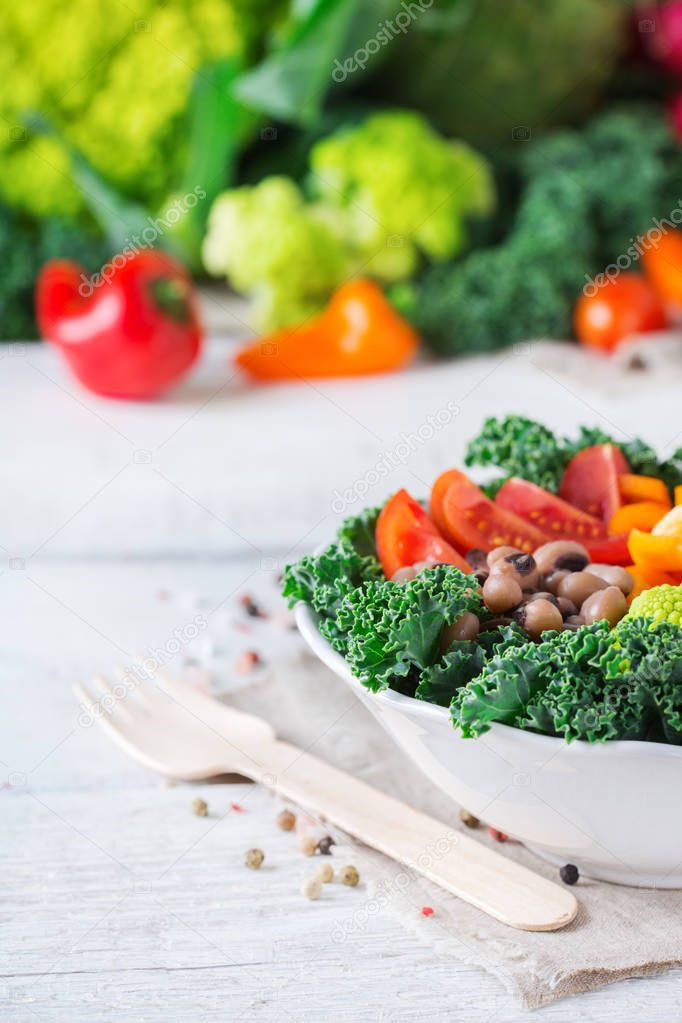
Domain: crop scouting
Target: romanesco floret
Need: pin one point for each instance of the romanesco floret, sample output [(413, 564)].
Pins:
[(271, 244), (114, 79), (405, 189), (660, 604)]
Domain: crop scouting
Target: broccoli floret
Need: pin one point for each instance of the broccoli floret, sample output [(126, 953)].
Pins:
[(584, 198), (25, 244), (660, 604)]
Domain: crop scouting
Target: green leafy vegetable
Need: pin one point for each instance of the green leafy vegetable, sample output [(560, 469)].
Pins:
[(518, 446), (393, 629), (592, 684)]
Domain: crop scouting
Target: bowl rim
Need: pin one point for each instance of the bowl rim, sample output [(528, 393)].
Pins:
[(307, 622)]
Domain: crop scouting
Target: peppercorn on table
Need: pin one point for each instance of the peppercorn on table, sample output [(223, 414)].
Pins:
[(161, 529)]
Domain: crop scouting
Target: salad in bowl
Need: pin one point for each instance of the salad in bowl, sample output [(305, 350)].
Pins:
[(521, 639)]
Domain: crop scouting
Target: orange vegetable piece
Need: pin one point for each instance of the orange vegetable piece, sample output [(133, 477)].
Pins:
[(655, 552), (640, 515), (645, 577), (359, 332), (678, 495), (643, 488), (662, 264)]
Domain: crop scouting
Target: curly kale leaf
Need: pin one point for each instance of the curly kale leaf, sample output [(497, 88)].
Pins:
[(439, 682), (323, 580), (393, 630), (518, 446)]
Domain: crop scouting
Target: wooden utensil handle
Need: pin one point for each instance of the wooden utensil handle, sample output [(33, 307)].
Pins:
[(467, 868)]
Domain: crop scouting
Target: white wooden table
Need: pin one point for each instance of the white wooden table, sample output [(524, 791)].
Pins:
[(119, 521)]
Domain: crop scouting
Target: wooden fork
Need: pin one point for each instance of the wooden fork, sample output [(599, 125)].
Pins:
[(180, 732)]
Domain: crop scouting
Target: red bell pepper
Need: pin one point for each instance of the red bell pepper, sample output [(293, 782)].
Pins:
[(129, 334)]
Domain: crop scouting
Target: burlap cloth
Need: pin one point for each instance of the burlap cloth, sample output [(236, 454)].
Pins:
[(619, 932)]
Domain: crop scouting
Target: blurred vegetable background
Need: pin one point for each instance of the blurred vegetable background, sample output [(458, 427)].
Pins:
[(480, 160)]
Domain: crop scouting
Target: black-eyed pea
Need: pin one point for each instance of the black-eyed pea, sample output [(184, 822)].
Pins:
[(609, 604), (521, 567), (561, 554), (405, 575), (500, 552), (501, 593), (567, 607), (463, 628), (540, 616), (578, 586), (613, 575), (574, 622), (554, 578)]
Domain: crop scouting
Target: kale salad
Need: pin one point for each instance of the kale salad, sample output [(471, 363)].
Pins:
[(528, 609)]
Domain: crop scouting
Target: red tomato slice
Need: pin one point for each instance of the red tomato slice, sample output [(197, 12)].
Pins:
[(405, 535), (591, 480), (548, 512), (473, 520), (438, 492), (611, 551)]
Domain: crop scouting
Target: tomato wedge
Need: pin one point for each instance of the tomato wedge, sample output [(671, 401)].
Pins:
[(473, 520), (556, 518), (438, 492), (591, 480), (405, 535)]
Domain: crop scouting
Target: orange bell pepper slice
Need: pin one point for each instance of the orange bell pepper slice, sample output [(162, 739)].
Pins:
[(678, 495), (358, 333), (645, 577), (655, 552), (643, 488), (641, 515)]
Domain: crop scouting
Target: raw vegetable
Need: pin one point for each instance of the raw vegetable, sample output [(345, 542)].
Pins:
[(584, 196), (663, 266), (520, 70), (548, 512), (358, 333), (620, 308), (387, 194), (655, 552), (590, 481), (25, 244), (670, 524), (638, 515), (643, 488), (405, 535), (393, 630), (660, 604), (472, 520), (285, 253), (518, 446), (403, 190), (129, 336), (593, 684)]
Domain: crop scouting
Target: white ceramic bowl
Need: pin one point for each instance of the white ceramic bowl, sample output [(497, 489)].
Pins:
[(613, 809)]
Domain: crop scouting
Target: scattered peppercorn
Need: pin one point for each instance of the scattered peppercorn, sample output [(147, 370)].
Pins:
[(427, 911), (247, 662), (286, 820), (349, 875), (325, 873), (468, 819), (254, 858), (311, 888), (252, 609), (499, 836), (324, 846), (569, 873), (308, 845), (200, 807)]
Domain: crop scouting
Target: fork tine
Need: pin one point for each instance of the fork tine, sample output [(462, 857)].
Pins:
[(98, 714)]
